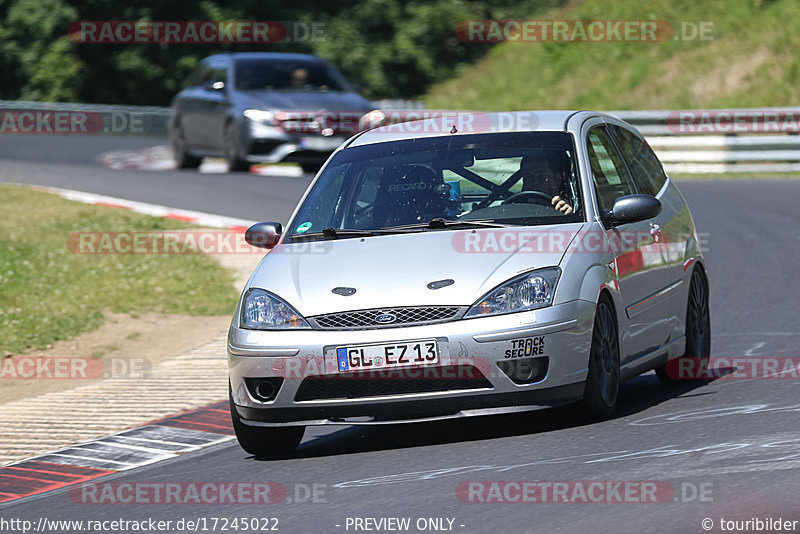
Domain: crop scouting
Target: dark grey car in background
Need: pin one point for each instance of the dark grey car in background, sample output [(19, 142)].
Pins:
[(264, 107)]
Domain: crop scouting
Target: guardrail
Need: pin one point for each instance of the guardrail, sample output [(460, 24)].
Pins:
[(689, 141), (63, 117)]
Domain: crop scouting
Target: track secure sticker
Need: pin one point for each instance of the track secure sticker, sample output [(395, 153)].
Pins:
[(532, 346), (305, 227)]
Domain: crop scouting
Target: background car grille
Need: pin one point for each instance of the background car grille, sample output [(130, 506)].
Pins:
[(405, 316), (310, 123), (380, 383)]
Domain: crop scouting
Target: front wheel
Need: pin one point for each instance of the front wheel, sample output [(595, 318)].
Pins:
[(602, 384), (180, 149), (698, 331), (265, 441), (231, 150)]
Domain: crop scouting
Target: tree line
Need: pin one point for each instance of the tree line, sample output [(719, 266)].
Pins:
[(388, 48)]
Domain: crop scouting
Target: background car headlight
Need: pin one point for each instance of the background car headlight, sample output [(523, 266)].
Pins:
[(527, 292), (261, 310), (259, 115)]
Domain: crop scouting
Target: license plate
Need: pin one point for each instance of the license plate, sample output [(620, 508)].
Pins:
[(321, 143), (387, 356)]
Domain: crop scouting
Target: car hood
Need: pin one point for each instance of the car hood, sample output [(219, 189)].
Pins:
[(305, 101), (395, 270)]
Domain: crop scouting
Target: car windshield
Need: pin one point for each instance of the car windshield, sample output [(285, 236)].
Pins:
[(286, 75), (504, 178)]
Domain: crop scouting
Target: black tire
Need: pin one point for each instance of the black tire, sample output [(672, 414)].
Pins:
[(698, 327), (311, 167), (602, 384), (231, 150), (265, 441), (180, 150)]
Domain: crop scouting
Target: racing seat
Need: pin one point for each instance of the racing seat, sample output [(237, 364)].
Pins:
[(409, 194)]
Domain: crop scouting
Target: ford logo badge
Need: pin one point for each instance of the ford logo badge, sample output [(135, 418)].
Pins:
[(385, 318)]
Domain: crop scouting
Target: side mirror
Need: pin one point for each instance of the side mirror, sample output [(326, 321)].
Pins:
[(263, 234), (633, 208), (214, 86)]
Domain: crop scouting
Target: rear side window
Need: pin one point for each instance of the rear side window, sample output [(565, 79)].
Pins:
[(611, 178), (642, 161)]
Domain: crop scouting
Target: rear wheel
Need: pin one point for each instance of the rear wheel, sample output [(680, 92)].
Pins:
[(231, 150), (265, 441), (602, 384), (698, 328), (180, 150)]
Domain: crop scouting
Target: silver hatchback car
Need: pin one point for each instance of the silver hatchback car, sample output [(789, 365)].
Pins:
[(474, 265)]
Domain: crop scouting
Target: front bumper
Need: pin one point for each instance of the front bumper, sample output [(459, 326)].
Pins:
[(267, 144), (562, 332)]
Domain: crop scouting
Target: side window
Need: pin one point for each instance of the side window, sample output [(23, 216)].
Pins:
[(611, 178), (212, 72), (646, 169)]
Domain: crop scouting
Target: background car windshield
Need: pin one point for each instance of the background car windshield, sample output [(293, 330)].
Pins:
[(509, 178), (270, 75)]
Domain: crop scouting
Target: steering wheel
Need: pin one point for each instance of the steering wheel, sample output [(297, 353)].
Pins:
[(527, 196)]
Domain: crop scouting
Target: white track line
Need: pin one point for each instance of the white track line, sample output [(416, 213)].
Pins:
[(194, 217)]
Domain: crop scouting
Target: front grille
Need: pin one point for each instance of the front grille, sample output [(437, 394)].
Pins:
[(360, 319), (311, 123), (264, 146), (386, 382)]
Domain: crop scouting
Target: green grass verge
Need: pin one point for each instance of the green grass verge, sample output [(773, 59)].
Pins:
[(750, 62), (48, 293)]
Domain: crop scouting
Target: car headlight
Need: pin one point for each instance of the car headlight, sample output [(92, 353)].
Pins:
[(259, 115), (530, 291), (261, 310)]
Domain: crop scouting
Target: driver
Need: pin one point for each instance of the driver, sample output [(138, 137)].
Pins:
[(540, 173), (299, 78)]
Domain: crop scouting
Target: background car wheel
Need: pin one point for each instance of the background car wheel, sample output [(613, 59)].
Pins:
[(231, 149), (698, 327), (602, 384), (264, 441), (183, 160), (311, 167)]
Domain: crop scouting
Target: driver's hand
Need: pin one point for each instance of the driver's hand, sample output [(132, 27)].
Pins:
[(561, 205)]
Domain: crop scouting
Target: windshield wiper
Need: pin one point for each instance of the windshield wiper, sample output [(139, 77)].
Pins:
[(336, 233), (333, 233), (438, 224), (434, 224)]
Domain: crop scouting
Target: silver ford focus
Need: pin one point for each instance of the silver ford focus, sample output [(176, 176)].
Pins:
[(464, 266)]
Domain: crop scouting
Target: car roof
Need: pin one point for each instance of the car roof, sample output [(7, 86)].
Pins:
[(476, 123), (267, 55)]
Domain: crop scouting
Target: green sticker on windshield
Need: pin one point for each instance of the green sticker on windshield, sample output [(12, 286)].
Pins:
[(305, 227)]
